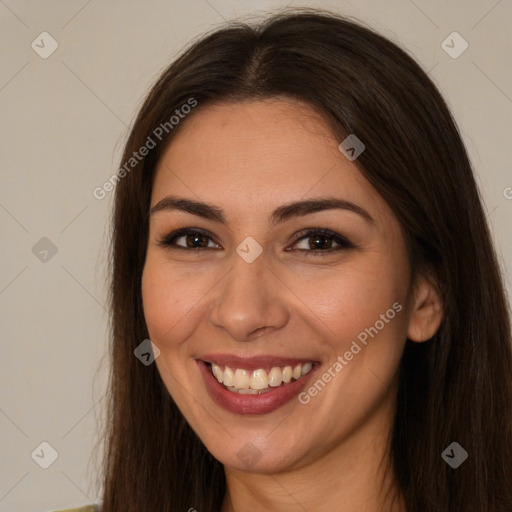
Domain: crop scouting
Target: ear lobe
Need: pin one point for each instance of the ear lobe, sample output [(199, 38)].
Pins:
[(426, 313)]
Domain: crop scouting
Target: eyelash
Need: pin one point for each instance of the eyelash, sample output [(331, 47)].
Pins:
[(168, 241)]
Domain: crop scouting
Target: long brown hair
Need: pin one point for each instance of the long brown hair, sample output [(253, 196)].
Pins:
[(456, 387)]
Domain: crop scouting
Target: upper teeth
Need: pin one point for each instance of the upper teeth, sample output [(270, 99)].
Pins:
[(259, 379)]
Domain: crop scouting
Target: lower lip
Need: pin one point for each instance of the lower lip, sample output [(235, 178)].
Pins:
[(251, 404)]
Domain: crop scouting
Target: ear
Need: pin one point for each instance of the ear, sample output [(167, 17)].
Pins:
[(426, 311)]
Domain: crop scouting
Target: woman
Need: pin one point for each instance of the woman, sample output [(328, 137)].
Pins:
[(298, 231)]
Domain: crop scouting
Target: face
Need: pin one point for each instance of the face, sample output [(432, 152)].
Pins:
[(298, 303)]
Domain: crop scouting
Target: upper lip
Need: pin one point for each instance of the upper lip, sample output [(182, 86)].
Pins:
[(253, 362)]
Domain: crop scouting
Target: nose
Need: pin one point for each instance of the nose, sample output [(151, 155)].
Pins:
[(250, 300)]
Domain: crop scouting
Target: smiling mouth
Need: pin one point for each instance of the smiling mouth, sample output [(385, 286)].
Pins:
[(258, 381)]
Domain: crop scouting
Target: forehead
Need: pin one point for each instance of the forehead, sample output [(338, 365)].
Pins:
[(253, 153)]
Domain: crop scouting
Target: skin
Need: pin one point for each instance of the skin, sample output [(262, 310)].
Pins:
[(249, 158)]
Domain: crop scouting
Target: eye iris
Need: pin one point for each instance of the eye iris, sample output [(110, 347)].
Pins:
[(320, 242), (193, 238)]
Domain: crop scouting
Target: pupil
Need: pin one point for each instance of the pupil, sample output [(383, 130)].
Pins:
[(318, 244), (194, 238)]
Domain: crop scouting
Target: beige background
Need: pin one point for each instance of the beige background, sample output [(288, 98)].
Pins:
[(64, 120)]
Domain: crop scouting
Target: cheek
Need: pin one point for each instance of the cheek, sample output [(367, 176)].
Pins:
[(171, 301), (364, 331), (353, 300), (362, 317)]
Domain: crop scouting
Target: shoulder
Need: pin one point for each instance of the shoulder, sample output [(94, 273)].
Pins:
[(88, 508)]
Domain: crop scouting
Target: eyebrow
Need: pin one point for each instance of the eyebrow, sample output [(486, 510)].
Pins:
[(280, 214)]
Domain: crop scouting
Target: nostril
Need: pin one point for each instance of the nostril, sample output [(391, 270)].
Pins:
[(260, 332)]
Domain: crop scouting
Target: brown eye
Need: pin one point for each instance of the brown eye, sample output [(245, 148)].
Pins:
[(195, 240), (320, 241), (187, 239)]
